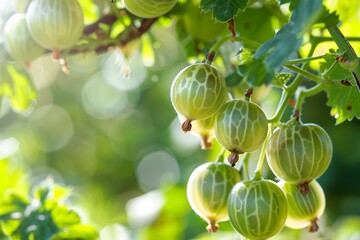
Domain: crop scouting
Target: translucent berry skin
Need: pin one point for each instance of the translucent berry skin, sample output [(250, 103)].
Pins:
[(21, 5), (241, 126), (204, 129), (198, 91), (298, 153), (208, 189), (18, 41), (149, 8), (303, 209), (55, 24), (257, 209)]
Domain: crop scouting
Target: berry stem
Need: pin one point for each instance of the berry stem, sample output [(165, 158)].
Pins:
[(186, 126), (231, 27), (213, 227), (258, 170), (248, 93), (320, 39), (306, 59), (210, 57), (56, 54), (245, 165), (314, 227), (304, 93), (289, 91), (345, 46), (285, 97), (206, 142), (131, 33), (223, 40), (304, 73), (328, 71)]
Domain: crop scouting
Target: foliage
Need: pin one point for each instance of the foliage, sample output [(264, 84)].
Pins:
[(223, 10), (42, 215)]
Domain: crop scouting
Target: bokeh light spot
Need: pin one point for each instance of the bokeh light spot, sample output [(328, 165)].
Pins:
[(157, 168), (102, 100), (52, 127)]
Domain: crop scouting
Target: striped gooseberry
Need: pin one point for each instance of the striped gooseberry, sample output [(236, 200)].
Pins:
[(257, 209), (298, 153), (21, 5), (304, 210), (18, 41), (149, 8), (208, 189), (55, 24), (240, 126), (197, 92)]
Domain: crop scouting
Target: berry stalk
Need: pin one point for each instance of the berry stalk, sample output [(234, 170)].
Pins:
[(289, 91), (345, 46), (219, 43), (304, 93), (258, 170)]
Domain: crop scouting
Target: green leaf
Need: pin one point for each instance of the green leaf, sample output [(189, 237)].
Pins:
[(3, 234), (16, 85), (293, 4), (286, 42), (12, 206), (7, 216), (13, 179), (37, 223), (60, 193), (255, 72), (289, 38), (280, 79), (255, 24), (329, 19), (78, 232), (344, 100), (44, 190), (223, 10), (65, 217), (233, 79)]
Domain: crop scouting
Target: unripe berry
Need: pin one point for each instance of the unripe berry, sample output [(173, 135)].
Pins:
[(240, 126), (304, 210), (257, 209), (298, 153), (197, 92), (208, 190)]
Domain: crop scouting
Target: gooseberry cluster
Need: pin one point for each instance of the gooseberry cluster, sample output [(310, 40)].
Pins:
[(46, 25), (297, 154)]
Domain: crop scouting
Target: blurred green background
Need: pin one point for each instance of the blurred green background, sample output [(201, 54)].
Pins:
[(108, 130)]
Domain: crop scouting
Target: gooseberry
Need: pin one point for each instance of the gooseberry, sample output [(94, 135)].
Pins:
[(55, 24), (240, 126), (208, 189), (197, 92), (257, 209), (298, 153), (304, 210)]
